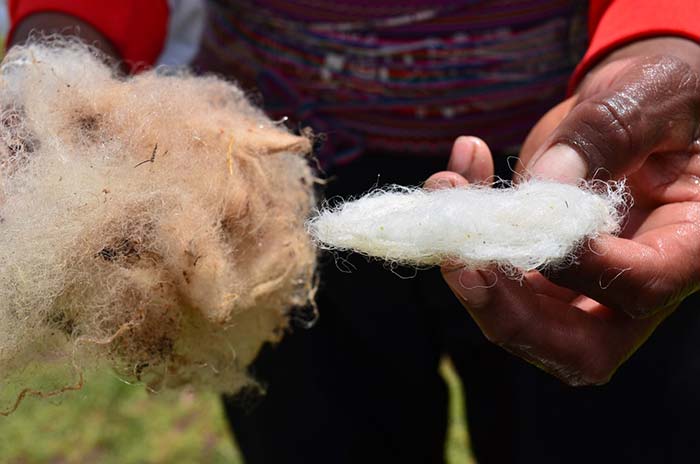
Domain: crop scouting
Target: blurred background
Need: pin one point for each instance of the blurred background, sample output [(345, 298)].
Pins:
[(4, 19), (110, 421)]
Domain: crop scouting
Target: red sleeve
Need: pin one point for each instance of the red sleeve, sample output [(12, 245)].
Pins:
[(136, 28), (613, 23)]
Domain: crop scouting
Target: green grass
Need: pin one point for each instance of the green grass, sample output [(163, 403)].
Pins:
[(457, 448), (113, 422)]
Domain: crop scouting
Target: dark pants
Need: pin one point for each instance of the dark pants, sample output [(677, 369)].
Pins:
[(362, 386)]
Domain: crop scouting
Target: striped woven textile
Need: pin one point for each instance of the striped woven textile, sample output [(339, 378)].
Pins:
[(400, 76)]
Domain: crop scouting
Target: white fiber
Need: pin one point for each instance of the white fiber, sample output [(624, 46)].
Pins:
[(525, 227)]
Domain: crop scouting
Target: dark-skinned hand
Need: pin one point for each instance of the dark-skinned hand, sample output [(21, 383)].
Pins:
[(635, 116)]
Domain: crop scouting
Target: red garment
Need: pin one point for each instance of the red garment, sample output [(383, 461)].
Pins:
[(613, 23), (138, 28)]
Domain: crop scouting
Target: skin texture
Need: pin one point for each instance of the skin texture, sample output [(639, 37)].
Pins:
[(636, 115)]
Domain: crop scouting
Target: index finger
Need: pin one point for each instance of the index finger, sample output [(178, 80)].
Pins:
[(646, 273), (579, 347)]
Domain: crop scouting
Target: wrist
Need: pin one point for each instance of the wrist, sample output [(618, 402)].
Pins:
[(680, 47)]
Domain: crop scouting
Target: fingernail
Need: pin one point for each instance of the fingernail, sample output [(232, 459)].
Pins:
[(466, 146), (560, 163)]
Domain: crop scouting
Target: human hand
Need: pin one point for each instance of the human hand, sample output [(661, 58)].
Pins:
[(635, 117)]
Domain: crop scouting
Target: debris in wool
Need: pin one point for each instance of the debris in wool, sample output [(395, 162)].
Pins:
[(154, 222)]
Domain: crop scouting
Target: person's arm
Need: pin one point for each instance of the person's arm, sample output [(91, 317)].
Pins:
[(635, 114), (61, 23), (133, 31), (615, 24)]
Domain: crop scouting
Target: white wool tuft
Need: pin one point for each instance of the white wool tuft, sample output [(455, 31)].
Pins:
[(530, 226)]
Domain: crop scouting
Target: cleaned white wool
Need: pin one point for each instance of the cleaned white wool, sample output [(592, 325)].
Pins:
[(524, 227)]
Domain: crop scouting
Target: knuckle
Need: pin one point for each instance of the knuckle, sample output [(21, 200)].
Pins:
[(678, 71), (641, 110), (603, 130), (596, 364), (676, 82), (658, 293), (642, 305), (663, 74), (639, 312), (689, 80), (581, 374), (507, 333), (599, 368), (616, 116), (597, 375)]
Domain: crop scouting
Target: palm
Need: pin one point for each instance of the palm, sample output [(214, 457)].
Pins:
[(636, 116), (582, 322), (661, 230), (658, 251)]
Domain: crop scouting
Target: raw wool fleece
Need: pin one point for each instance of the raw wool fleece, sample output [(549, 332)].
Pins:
[(529, 226), (155, 222)]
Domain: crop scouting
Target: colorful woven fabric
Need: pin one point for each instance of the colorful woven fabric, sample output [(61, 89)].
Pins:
[(401, 76)]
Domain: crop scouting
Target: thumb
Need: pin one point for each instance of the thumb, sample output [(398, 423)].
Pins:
[(653, 106)]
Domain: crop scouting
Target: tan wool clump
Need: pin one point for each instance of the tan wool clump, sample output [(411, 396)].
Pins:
[(154, 222)]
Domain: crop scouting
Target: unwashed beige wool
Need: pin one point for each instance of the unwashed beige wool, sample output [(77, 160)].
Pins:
[(154, 222)]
